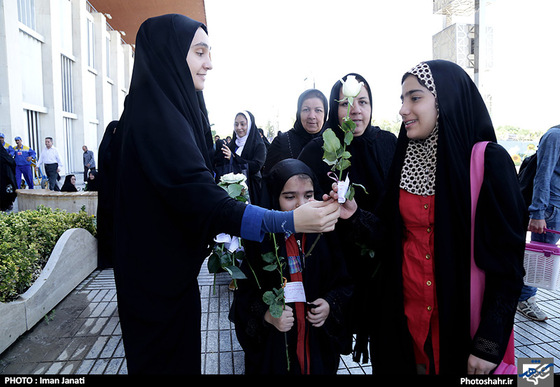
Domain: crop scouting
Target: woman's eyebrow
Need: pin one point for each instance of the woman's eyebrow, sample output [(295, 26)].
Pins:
[(411, 92), (201, 44)]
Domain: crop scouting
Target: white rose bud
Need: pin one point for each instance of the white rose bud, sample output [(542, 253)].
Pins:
[(351, 87)]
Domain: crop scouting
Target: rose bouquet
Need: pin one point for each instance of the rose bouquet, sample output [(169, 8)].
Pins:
[(229, 249)]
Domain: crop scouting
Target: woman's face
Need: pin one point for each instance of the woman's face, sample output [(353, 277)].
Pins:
[(418, 111), (312, 115), (360, 111), (198, 58), (73, 180), (240, 125), (297, 191)]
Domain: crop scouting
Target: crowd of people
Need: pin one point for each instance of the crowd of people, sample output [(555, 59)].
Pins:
[(383, 275), (389, 266)]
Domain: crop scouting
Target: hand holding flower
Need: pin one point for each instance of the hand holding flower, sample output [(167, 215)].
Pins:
[(283, 323)]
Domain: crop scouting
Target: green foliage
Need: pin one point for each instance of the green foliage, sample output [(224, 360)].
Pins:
[(27, 239), (275, 298)]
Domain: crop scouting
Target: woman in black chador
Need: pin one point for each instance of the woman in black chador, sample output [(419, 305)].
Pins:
[(423, 286), (311, 116), (246, 153), (372, 152), (168, 207), (314, 329)]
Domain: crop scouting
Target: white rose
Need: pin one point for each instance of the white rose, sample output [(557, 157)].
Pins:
[(351, 87), (233, 178)]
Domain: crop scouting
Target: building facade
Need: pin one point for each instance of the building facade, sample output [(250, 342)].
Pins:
[(64, 73)]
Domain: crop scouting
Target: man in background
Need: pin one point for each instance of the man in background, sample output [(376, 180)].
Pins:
[(51, 161), (23, 156)]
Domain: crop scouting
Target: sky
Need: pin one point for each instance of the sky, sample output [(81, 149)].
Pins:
[(266, 53)]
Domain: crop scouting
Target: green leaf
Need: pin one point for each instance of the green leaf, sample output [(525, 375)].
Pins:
[(345, 155), (214, 264), (331, 143), (268, 297), (226, 259), (330, 157), (361, 186), (342, 165), (269, 257), (235, 272), (234, 190), (238, 255), (348, 126), (348, 137), (270, 267), (350, 193), (276, 310)]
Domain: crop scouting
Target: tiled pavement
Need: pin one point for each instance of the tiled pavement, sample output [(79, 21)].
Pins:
[(82, 336)]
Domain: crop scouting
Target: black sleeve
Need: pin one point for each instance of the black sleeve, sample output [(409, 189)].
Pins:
[(500, 233)]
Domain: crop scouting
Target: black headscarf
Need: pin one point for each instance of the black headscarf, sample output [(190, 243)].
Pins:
[(324, 275), (280, 174), (463, 121), (167, 202), (68, 186), (290, 144), (372, 153), (307, 94), (253, 137), (252, 156)]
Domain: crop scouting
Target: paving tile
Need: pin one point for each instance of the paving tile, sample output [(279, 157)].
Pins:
[(84, 337)]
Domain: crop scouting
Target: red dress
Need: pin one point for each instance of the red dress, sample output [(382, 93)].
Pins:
[(419, 288)]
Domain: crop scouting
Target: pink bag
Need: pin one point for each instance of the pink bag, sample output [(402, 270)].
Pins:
[(507, 366)]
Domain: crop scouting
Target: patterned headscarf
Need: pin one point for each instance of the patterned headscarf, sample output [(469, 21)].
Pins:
[(418, 175)]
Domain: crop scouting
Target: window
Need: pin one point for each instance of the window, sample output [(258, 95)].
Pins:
[(67, 87), (108, 56), (26, 13), (33, 131), (91, 43), (68, 147)]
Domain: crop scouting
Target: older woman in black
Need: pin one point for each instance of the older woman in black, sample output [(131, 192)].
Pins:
[(372, 152), (168, 207), (311, 116)]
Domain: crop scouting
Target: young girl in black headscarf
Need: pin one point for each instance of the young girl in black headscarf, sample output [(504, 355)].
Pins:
[(311, 116), (372, 151), (246, 153), (425, 269), (168, 207), (314, 331)]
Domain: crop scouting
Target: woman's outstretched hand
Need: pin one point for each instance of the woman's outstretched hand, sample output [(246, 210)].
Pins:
[(316, 217)]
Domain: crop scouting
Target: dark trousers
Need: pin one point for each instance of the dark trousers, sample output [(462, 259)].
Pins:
[(51, 170)]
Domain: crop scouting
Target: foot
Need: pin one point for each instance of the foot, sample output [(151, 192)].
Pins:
[(530, 309)]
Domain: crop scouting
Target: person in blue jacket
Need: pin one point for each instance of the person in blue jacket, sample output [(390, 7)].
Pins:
[(6, 146), (23, 156)]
